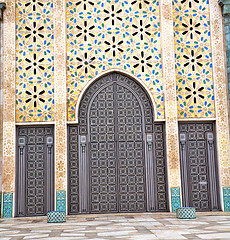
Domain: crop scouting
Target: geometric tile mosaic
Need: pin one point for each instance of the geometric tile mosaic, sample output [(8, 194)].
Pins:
[(186, 213), (56, 217), (34, 61), (226, 198), (193, 56), (175, 199), (103, 35), (61, 201), (0, 204), (7, 205)]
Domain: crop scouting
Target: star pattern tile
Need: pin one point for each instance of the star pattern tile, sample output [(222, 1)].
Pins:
[(193, 55), (104, 35), (34, 61)]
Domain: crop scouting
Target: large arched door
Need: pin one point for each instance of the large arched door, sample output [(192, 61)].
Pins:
[(116, 154)]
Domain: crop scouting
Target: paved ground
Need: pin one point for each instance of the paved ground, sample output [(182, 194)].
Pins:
[(120, 226)]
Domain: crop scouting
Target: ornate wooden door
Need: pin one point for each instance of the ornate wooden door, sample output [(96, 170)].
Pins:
[(121, 164), (198, 166), (35, 170)]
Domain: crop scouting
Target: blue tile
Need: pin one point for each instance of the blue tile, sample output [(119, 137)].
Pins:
[(61, 201), (226, 197), (175, 199), (7, 205), (175, 191), (0, 205)]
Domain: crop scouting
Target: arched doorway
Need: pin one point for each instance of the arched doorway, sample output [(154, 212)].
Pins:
[(116, 152)]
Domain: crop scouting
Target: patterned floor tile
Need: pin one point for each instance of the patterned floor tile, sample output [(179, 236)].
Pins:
[(146, 226)]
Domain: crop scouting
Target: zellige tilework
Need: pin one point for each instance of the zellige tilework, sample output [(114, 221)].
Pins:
[(7, 205), (56, 217), (106, 35), (221, 88), (34, 61), (175, 199), (170, 93), (61, 201), (0, 204), (226, 197), (60, 94), (8, 164), (193, 54), (186, 213), (103, 35)]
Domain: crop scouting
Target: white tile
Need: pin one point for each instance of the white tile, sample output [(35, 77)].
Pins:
[(72, 235), (215, 235), (143, 237), (118, 233), (9, 232), (168, 235), (37, 236)]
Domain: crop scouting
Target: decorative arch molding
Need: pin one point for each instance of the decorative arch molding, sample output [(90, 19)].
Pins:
[(122, 72)]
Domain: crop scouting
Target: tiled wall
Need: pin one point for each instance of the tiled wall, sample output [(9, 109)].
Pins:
[(7, 205), (226, 197), (1, 107), (91, 53), (103, 35), (193, 54), (34, 61), (60, 94), (61, 201), (221, 89), (227, 41), (171, 123), (8, 71), (175, 199), (0, 204)]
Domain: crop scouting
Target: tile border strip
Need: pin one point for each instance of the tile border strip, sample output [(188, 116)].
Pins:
[(7, 205), (226, 198), (61, 201), (0, 204), (175, 199)]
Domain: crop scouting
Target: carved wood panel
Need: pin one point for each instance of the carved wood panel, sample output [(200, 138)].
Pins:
[(198, 166), (73, 166), (35, 170), (102, 155), (115, 117), (131, 155)]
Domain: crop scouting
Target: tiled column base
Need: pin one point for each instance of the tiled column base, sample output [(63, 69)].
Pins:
[(7, 205), (226, 197), (175, 199), (61, 201), (0, 204)]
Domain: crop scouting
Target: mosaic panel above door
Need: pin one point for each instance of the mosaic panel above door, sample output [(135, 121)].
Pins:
[(103, 35), (34, 61), (193, 55)]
